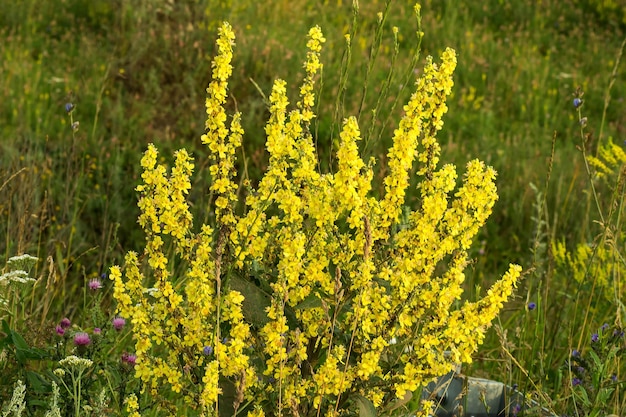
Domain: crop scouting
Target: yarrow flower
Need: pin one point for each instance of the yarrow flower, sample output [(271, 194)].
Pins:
[(118, 323), (82, 339)]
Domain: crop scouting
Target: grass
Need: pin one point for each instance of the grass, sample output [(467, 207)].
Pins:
[(136, 73)]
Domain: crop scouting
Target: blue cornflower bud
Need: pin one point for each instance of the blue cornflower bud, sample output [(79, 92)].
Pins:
[(575, 353), (69, 107), (594, 337), (577, 102), (207, 350), (576, 381), (531, 306)]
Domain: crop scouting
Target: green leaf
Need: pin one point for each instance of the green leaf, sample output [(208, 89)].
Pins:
[(24, 352), (366, 408), (255, 300), (310, 301), (6, 340), (582, 395), (400, 402), (5, 327), (597, 363), (37, 383), (19, 341), (603, 395)]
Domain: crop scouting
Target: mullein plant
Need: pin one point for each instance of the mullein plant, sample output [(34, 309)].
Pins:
[(308, 295)]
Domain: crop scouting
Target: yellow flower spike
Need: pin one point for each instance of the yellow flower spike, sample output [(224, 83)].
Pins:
[(221, 141), (351, 185), (422, 118), (312, 66)]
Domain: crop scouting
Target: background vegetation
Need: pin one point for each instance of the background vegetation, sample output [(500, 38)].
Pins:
[(135, 73)]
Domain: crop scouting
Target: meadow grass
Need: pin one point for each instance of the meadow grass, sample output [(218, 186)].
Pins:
[(135, 74)]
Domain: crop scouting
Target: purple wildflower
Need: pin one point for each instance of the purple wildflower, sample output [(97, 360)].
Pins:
[(576, 381), (531, 306), (60, 330), (97, 330), (575, 353), (65, 323), (95, 284), (129, 359), (594, 338), (208, 350), (81, 339), (577, 102), (118, 323)]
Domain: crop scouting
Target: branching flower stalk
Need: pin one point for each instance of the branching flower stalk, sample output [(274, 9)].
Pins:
[(76, 367), (292, 300)]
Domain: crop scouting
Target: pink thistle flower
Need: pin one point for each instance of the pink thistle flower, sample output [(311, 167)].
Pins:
[(65, 323), (60, 330), (118, 323), (129, 359), (81, 339), (95, 284)]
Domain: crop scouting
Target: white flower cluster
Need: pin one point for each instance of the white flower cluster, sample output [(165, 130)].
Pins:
[(24, 262), (18, 276), (73, 362), (19, 267), (17, 405)]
